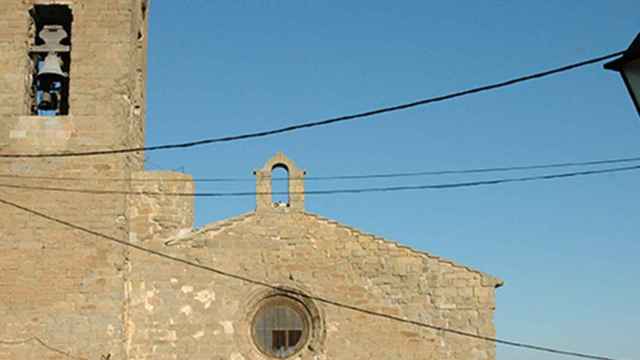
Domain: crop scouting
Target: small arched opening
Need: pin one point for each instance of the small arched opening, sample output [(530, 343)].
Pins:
[(280, 185)]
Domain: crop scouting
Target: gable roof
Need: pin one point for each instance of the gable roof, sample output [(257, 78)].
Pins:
[(194, 239), (191, 239), (496, 281)]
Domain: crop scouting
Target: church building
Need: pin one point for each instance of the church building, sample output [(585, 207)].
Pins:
[(277, 282)]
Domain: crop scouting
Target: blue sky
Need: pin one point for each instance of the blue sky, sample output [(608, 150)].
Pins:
[(567, 249)]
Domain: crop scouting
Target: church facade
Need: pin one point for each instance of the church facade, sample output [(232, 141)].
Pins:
[(307, 267), (278, 282)]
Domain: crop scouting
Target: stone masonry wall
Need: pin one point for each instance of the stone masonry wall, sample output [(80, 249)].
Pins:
[(158, 217), (62, 285), (178, 312), (93, 299)]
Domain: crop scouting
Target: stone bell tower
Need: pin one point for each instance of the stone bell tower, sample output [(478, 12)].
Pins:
[(72, 79), (295, 188), (98, 50)]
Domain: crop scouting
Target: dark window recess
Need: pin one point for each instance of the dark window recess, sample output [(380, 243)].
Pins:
[(279, 340), (294, 337), (285, 341), (280, 329), (50, 56)]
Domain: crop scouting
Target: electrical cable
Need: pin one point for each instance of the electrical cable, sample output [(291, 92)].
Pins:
[(346, 177), (324, 122), (293, 292), (331, 191)]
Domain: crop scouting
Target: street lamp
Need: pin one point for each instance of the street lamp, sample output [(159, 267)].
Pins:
[(628, 65)]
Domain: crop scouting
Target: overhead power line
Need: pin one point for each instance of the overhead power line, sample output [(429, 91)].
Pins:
[(344, 177), (328, 121), (332, 191), (324, 300)]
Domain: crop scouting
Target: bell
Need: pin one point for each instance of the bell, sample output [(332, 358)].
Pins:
[(51, 72), (49, 101), (50, 82)]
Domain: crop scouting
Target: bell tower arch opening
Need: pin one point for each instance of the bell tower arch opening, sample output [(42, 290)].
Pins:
[(75, 77), (279, 185), (50, 59)]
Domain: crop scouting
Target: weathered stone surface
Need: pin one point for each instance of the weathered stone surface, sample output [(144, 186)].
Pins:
[(177, 310), (59, 284), (89, 297)]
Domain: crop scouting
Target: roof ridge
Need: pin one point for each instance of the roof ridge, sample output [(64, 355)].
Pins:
[(215, 226), (498, 282)]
